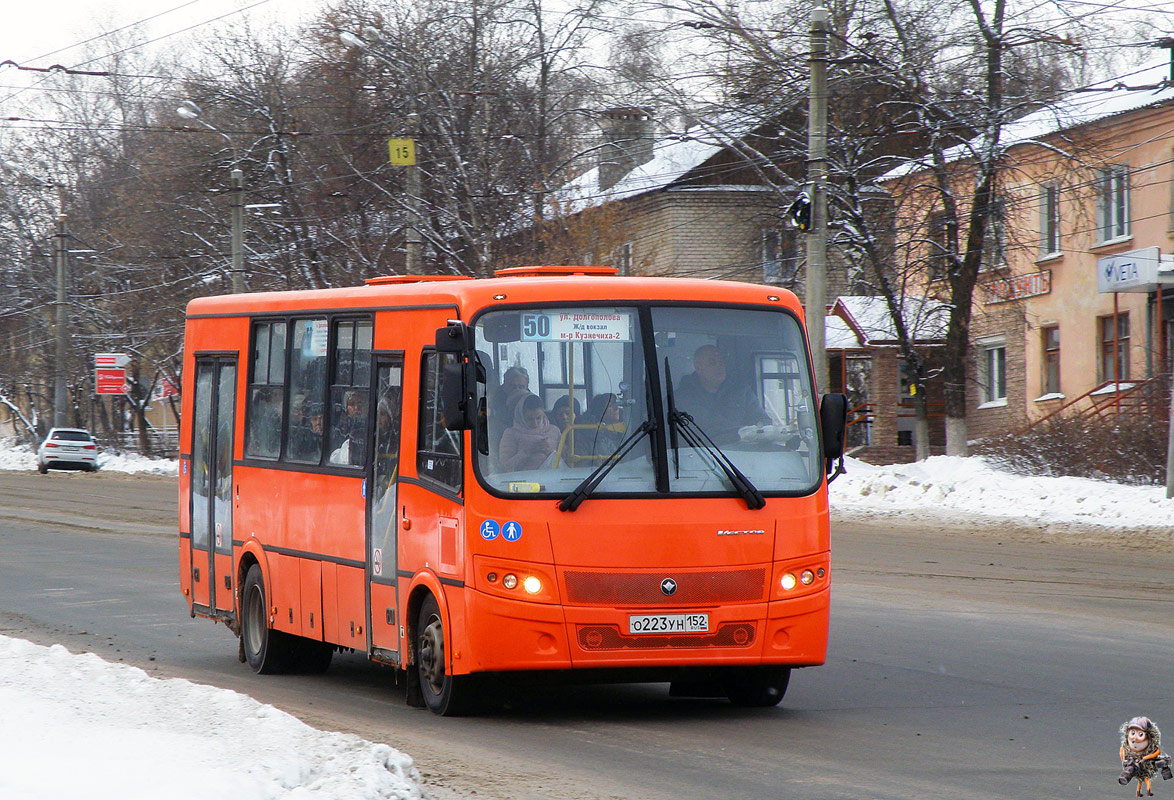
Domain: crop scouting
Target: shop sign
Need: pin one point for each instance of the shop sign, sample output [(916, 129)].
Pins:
[(1006, 289)]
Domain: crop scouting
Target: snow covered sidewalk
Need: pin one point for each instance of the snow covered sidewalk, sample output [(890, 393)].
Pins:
[(78, 726)]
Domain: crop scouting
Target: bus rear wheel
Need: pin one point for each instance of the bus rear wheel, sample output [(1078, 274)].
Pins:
[(444, 694), (757, 687), (266, 650)]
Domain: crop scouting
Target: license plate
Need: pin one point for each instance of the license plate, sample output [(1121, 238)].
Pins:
[(668, 623)]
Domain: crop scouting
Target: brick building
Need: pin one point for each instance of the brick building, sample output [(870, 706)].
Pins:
[(1075, 307)]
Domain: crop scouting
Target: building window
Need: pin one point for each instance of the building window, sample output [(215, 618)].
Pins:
[(1114, 347), (993, 372), (938, 241), (1051, 360), (780, 256), (994, 238), (1049, 220), (1113, 202)]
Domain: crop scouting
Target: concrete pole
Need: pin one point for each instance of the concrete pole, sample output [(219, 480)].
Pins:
[(61, 334), (412, 234), (238, 231), (817, 238)]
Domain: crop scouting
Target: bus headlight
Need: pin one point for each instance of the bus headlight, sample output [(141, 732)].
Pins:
[(532, 585), (788, 582)]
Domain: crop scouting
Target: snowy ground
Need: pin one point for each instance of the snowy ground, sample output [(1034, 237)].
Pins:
[(124, 734), (942, 490)]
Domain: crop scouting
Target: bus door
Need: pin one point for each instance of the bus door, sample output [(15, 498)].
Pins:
[(384, 617), (211, 482)]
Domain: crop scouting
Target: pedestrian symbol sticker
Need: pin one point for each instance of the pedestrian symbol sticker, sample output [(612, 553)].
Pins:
[(490, 530), (511, 531)]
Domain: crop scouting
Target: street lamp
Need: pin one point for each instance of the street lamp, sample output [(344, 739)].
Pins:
[(412, 240), (61, 324), (189, 110)]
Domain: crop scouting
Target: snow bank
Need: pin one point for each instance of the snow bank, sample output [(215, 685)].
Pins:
[(943, 488), (24, 457), (78, 726)]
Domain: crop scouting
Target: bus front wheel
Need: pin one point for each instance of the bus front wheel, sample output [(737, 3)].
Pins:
[(444, 694), (266, 650), (757, 687)]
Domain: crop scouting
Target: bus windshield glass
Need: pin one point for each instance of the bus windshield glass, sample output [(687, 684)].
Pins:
[(693, 387)]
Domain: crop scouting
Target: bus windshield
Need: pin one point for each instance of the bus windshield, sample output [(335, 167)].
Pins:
[(683, 393)]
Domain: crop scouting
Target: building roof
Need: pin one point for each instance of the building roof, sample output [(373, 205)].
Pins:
[(1142, 88), (866, 321), (674, 157)]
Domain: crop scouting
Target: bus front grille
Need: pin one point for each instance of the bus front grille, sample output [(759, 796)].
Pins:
[(645, 588), (608, 637)]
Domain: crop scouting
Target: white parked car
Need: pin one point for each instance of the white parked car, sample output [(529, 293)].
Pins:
[(67, 448)]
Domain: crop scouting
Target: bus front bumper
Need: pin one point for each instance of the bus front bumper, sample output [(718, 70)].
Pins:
[(505, 635)]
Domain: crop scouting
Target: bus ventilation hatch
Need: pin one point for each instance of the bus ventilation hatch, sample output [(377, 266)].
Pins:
[(393, 280), (546, 272)]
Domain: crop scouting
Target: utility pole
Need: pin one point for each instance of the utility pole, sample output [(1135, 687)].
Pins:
[(412, 234), (817, 238), (61, 334), (238, 231)]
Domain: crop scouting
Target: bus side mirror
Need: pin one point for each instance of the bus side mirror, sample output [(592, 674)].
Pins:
[(456, 402), (833, 420), (457, 375), (455, 337)]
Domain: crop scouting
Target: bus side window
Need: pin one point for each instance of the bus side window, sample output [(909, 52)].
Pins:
[(350, 392), (266, 391), (307, 384), (439, 450)]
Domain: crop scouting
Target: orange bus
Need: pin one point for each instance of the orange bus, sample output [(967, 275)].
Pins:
[(557, 471)]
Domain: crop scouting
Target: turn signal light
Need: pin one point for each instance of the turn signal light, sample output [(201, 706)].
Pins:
[(510, 581), (806, 577)]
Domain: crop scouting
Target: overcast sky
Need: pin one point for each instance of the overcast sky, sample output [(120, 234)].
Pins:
[(41, 33)]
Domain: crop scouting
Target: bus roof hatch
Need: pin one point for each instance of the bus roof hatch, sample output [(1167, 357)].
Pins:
[(539, 272)]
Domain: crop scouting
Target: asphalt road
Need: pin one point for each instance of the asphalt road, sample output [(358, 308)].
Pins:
[(964, 663)]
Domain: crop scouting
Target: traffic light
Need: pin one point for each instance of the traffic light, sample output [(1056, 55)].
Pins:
[(800, 212)]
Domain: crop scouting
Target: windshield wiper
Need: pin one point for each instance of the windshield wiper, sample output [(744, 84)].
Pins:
[(668, 382), (589, 484), (699, 439)]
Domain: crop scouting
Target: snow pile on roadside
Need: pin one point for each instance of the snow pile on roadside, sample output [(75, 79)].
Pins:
[(23, 457), (78, 726), (943, 488)]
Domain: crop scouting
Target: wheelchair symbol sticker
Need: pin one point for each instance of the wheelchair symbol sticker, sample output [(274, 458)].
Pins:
[(490, 530)]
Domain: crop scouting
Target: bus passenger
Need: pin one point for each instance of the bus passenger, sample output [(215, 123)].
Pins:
[(351, 430), (603, 412), (306, 437), (528, 443), (560, 412), (719, 406), (515, 384)]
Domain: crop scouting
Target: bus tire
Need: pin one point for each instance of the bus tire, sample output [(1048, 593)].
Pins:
[(757, 687), (266, 650), (444, 694)]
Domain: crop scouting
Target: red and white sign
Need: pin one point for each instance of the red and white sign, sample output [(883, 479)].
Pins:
[(110, 360), (163, 389), (1007, 289), (109, 380)]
